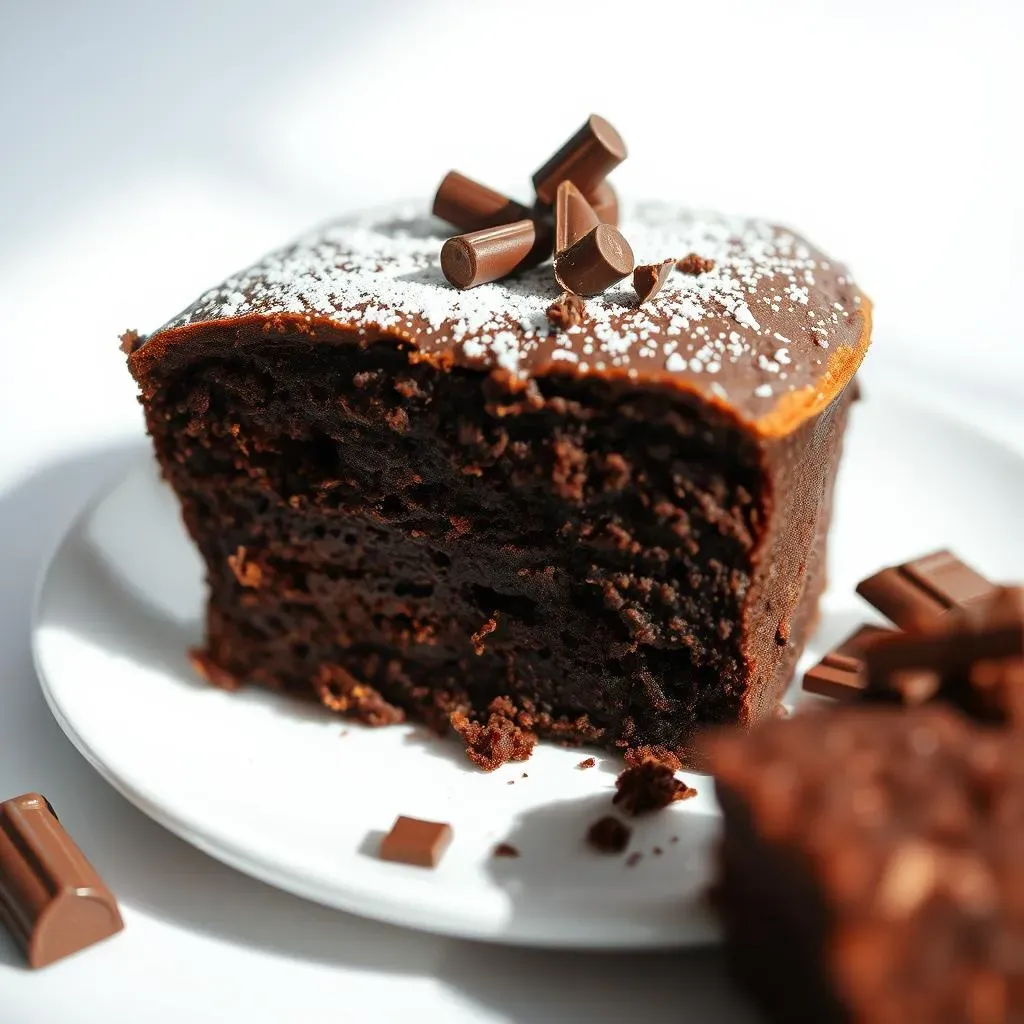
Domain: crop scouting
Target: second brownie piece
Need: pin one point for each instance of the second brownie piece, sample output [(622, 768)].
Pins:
[(870, 869)]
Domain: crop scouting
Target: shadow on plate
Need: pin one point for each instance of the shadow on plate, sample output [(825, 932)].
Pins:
[(155, 873)]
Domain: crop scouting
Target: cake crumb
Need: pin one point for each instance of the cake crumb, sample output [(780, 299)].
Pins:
[(693, 264), (206, 668), (566, 311), (636, 756), (586, 763), (609, 835), (649, 786), (505, 850), (477, 639), (340, 691), (130, 341), (502, 738), (633, 859), (248, 573)]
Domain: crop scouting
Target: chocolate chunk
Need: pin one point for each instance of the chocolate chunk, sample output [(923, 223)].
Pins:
[(916, 592), (605, 203), (609, 835), (972, 658), (574, 216), (505, 850), (649, 278), (840, 673), (599, 259), (585, 160), (693, 264), (470, 206), (567, 311), (415, 842), (483, 256), (649, 786), (51, 899)]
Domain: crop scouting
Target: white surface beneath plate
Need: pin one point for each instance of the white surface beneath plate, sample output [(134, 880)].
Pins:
[(300, 798)]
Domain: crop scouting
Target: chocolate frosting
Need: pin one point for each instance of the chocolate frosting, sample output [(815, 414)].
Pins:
[(771, 334)]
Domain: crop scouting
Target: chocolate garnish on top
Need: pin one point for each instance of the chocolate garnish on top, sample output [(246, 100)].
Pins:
[(577, 171)]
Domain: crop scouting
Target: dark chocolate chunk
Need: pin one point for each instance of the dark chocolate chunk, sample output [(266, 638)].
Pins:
[(566, 311), (649, 278), (574, 216), (483, 256), (51, 898), (840, 673), (605, 203), (916, 592), (693, 264), (599, 259), (416, 842), (649, 786), (470, 206), (585, 160), (972, 658), (609, 835), (505, 850)]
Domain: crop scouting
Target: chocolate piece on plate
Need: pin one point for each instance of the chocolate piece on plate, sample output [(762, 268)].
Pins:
[(416, 842), (916, 592), (972, 658), (52, 901), (840, 674)]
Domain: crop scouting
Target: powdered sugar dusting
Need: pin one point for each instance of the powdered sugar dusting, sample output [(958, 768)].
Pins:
[(757, 322)]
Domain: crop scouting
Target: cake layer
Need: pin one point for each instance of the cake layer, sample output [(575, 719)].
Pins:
[(621, 561)]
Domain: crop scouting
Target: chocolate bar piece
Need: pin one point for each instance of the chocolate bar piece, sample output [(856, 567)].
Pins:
[(972, 658), (51, 899), (916, 592), (840, 674), (416, 842), (869, 870)]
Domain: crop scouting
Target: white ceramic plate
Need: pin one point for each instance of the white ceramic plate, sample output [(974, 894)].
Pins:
[(300, 798)]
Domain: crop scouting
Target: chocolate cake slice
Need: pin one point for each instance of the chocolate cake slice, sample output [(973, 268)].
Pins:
[(416, 501), (870, 867)]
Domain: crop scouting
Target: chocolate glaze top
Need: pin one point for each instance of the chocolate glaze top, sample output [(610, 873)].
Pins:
[(772, 333)]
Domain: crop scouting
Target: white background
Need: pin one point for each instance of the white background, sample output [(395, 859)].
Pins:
[(149, 148)]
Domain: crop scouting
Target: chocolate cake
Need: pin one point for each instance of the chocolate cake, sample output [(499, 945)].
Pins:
[(418, 501), (870, 869)]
